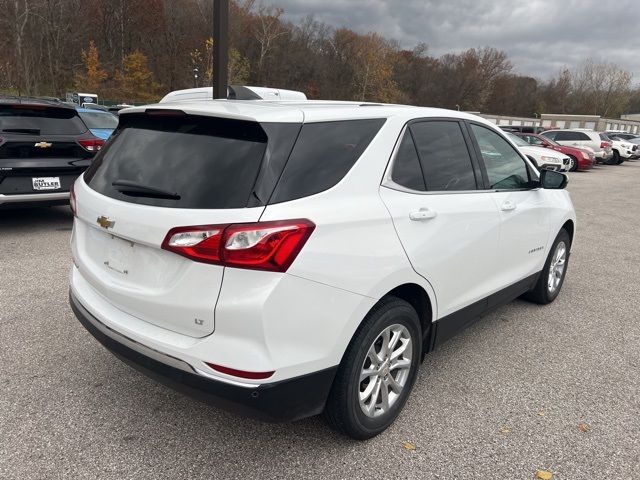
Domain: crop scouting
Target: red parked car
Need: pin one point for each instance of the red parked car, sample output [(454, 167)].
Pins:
[(581, 159)]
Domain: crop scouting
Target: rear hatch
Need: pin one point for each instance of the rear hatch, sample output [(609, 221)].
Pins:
[(40, 149), (158, 172)]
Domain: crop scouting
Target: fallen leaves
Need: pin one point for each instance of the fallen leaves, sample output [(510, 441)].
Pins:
[(583, 427), (544, 475), (541, 413), (505, 430), (408, 445)]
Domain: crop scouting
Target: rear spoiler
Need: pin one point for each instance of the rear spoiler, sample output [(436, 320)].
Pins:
[(234, 92)]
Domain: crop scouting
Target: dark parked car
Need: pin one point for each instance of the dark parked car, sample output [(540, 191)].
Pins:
[(44, 147)]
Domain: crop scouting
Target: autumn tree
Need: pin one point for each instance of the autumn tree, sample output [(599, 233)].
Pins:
[(92, 77), (136, 81)]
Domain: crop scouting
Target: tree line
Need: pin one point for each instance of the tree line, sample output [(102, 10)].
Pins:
[(137, 50)]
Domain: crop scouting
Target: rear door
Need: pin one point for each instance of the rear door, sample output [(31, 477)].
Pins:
[(524, 226), (448, 228), (158, 173)]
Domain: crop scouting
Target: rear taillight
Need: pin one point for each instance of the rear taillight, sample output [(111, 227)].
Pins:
[(270, 246), (72, 200), (91, 144), (604, 144)]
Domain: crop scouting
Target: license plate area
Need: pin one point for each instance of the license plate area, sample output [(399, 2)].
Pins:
[(46, 183), (118, 255)]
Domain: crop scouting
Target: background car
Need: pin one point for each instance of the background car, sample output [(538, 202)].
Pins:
[(581, 139), (542, 157), (101, 124), (621, 135), (622, 149), (627, 139), (44, 146), (581, 158)]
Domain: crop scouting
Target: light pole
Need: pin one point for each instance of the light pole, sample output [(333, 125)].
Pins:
[(220, 48), (195, 77)]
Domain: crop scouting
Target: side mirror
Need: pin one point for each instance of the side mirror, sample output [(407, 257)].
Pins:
[(553, 180)]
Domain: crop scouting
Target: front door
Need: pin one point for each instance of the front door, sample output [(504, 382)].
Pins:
[(524, 228)]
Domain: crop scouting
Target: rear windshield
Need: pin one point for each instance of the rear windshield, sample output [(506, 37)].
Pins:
[(203, 162), (99, 120), (40, 120)]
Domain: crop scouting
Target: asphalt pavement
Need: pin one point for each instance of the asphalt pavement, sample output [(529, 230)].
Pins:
[(528, 388)]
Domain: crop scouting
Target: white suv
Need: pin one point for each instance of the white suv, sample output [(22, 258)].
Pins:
[(582, 138), (285, 259)]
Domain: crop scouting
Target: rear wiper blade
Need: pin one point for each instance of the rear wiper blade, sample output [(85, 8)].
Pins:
[(33, 131), (136, 189)]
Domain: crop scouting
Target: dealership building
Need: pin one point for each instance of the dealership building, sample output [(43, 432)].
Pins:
[(628, 123)]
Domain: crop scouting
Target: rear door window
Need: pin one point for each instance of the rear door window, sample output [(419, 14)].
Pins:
[(444, 156), (40, 120), (322, 156), (203, 162)]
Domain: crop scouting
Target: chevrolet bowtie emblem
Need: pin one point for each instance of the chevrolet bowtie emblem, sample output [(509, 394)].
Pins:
[(104, 222), (42, 144)]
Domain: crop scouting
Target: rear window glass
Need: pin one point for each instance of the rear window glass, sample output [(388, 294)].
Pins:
[(40, 120), (99, 120), (199, 162), (444, 156), (323, 155)]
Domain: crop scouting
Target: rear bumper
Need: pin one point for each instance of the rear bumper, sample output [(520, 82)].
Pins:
[(48, 198), (281, 401)]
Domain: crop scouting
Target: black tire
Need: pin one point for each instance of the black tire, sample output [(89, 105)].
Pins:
[(541, 293), (343, 412), (574, 163), (615, 160)]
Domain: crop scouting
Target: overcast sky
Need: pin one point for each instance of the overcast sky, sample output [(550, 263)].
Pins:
[(539, 36)]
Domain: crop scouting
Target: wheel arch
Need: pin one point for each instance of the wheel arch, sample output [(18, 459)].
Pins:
[(570, 227), (419, 299)]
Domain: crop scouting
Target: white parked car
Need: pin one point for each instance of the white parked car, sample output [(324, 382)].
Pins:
[(285, 259), (622, 148), (542, 157), (584, 138)]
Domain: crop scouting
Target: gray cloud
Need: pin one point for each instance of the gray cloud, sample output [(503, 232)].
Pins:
[(540, 36)]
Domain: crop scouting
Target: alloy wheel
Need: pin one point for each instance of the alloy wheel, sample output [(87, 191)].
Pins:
[(556, 268), (385, 370)]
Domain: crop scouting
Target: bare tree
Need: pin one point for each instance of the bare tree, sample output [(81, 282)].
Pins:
[(268, 28)]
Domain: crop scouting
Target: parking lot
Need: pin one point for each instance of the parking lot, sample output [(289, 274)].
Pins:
[(529, 388)]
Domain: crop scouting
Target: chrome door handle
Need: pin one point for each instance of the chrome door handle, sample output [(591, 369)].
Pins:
[(422, 214), (508, 206)]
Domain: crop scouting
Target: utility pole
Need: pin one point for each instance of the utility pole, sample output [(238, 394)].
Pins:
[(220, 48)]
